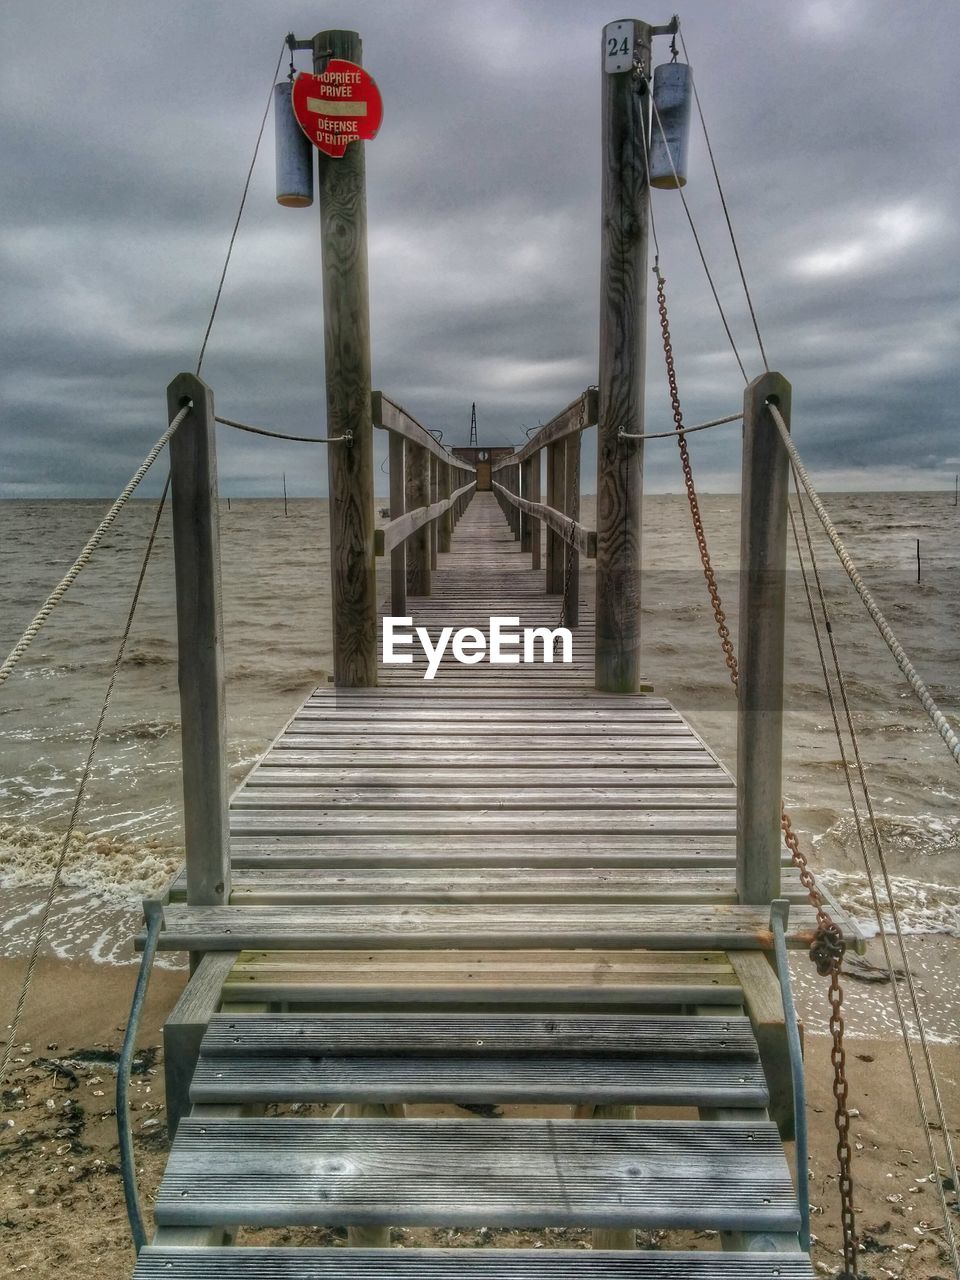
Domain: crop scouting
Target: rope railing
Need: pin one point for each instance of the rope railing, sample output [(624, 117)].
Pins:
[(83, 559), (681, 431), (346, 438), (938, 719)]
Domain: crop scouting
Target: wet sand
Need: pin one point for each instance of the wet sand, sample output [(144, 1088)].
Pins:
[(61, 1202)]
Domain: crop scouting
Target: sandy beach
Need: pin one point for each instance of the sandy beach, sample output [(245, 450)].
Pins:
[(61, 1201)]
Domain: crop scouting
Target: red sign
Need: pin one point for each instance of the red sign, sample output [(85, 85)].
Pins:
[(341, 106)]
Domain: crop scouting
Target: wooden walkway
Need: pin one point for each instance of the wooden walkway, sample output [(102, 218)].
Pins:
[(495, 887)]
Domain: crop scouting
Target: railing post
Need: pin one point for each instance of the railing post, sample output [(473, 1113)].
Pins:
[(526, 540), (623, 287), (346, 339), (398, 556), (555, 489), (534, 496), (446, 520), (417, 494), (196, 553), (763, 561), (434, 493), (515, 511), (571, 507)]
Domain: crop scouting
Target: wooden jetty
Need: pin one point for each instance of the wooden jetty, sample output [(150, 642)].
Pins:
[(529, 884)]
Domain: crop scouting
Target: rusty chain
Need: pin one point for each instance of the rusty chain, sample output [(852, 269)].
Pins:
[(827, 948)]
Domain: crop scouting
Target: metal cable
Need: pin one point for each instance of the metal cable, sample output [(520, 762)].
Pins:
[(726, 212), (81, 792), (926, 699), (347, 438), (693, 228), (680, 430), (83, 559), (881, 856), (243, 201)]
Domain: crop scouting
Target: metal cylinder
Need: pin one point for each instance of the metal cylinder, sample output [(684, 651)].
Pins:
[(670, 126), (294, 152)]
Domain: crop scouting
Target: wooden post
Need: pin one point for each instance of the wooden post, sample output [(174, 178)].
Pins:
[(446, 520), (763, 560), (555, 491), (534, 496), (571, 505), (417, 487), (623, 291), (434, 493), (346, 338), (196, 554), (514, 470), (526, 541), (398, 556)]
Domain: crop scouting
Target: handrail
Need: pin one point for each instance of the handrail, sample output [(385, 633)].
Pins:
[(389, 416), (572, 533), (567, 423), (399, 530)]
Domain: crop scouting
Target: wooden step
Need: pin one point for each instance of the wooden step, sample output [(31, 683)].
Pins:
[(159, 1263), (657, 1174), (581, 980), (290, 1058), (720, 926)]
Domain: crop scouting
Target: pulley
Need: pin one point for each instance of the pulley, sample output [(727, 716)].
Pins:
[(670, 126), (294, 152)]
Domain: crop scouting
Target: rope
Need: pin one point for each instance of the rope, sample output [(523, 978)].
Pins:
[(907, 970), (278, 435), (83, 559), (681, 430), (937, 717), (81, 791), (243, 201), (693, 228), (726, 212)]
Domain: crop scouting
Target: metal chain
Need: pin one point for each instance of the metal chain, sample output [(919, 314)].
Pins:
[(828, 945), (729, 657)]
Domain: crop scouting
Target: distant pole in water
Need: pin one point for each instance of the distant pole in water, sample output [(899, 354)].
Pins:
[(918, 559), (228, 504), (284, 493), (956, 489)]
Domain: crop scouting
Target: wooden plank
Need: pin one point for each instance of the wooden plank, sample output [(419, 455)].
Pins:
[(764, 1006), (288, 1171), (663, 926), (298, 1035), (196, 552), (649, 799), (259, 1263), (469, 884), (499, 822), (579, 415), (389, 416), (398, 531), (585, 540), (184, 1029), (665, 1080)]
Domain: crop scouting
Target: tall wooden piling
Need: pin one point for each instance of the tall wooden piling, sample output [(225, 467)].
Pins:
[(623, 289), (196, 554), (763, 559), (398, 556), (571, 508), (346, 332), (555, 491), (417, 494)]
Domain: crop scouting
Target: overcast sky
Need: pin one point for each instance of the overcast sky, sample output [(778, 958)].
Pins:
[(127, 131)]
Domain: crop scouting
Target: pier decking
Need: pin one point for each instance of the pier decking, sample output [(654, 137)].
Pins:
[(499, 886)]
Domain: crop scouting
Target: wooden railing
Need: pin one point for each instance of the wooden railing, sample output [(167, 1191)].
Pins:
[(429, 492), (519, 491)]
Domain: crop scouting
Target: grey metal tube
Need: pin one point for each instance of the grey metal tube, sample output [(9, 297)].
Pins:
[(153, 911)]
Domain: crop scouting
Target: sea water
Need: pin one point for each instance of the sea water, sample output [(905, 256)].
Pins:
[(278, 642)]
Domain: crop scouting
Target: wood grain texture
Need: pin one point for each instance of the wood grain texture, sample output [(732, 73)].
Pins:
[(763, 561), (196, 553), (576, 417), (552, 517), (571, 509), (417, 499), (398, 554), (346, 336), (623, 272)]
